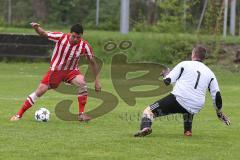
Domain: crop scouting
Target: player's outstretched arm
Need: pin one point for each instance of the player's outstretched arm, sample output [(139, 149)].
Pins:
[(38, 29), (96, 72), (218, 105), (164, 73), (217, 100)]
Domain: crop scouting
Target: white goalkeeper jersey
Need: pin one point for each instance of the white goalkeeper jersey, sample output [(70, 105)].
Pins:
[(192, 79)]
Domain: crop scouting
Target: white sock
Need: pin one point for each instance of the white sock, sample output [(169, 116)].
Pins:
[(32, 97)]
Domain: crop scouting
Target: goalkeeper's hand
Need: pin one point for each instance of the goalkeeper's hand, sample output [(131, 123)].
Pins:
[(165, 72), (222, 117)]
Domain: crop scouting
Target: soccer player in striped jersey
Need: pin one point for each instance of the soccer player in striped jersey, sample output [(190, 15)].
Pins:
[(64, 67), (191, 79)]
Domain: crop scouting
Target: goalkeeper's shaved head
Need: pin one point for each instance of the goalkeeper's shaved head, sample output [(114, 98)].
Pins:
[(199, 53)]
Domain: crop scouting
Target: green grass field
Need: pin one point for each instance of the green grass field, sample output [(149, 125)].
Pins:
[(111, 136)]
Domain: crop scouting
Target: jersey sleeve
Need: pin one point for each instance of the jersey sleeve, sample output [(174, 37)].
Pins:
[(88, 51), (176, 73), (54, 36), (214, 89)]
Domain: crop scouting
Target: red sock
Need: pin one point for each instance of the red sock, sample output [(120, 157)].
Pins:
[(82, 100), (26, 105)]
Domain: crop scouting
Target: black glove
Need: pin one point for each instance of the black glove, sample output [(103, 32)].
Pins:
[(223, 118)]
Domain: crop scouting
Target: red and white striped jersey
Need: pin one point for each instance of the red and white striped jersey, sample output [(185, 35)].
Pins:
[(65, 55)]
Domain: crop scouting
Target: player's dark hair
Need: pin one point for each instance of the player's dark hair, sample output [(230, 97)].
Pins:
[(200, 51), (77, 28)]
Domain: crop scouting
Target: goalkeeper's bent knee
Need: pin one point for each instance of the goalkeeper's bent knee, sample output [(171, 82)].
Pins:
[(148, 113)]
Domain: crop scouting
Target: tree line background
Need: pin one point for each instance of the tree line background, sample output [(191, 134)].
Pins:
[(145, 15)]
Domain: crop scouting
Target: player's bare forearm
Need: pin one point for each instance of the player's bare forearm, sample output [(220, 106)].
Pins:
[(95, 69), (96, 72), (41, 32), (38, 29)]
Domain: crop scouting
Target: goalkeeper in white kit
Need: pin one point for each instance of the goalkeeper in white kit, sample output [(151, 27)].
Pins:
[(191, 79)]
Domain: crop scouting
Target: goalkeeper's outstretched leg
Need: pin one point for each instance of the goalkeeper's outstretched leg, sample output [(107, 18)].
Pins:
[(166, 106)]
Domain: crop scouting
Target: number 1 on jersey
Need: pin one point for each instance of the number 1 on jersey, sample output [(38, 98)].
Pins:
[(198, 77)]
